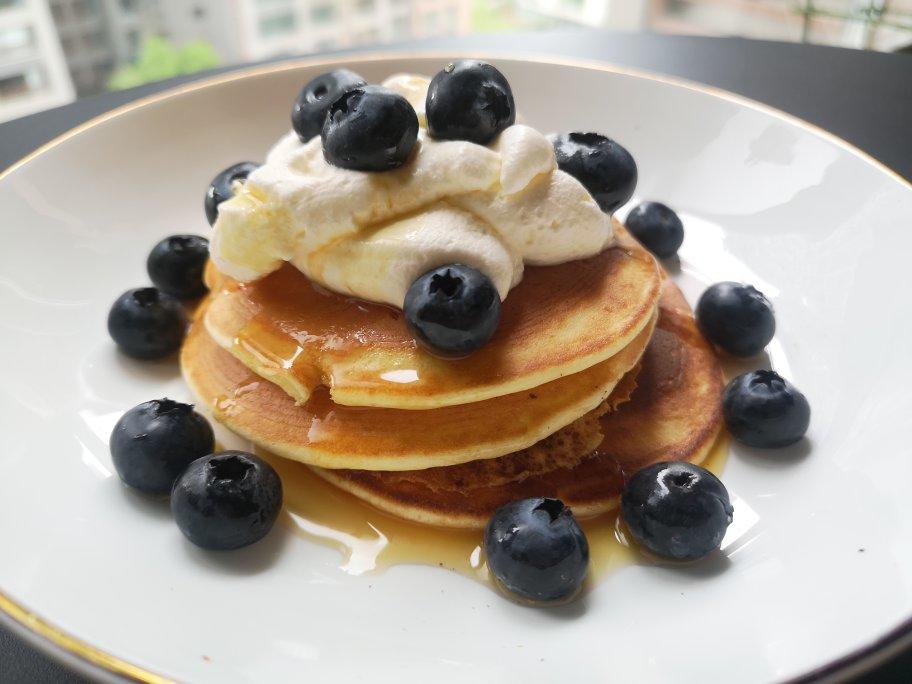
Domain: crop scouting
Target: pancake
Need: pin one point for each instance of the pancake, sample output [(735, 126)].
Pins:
[(559, 321), (675, 413), (322, 433)]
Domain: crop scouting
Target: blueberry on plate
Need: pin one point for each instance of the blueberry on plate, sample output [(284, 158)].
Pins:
[(154, 442), (469, 100), (146, 323), (536, 549), (657, 228), (676, 510), (311, 105), (605, 168), (176, 265), (220, 188), (226, 500), (452, 310), (736, 317), (369, 128), (763, 409)]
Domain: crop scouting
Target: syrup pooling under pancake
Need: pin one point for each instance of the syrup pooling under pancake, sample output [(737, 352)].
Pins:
[(559, 321), (673, 414), (323, 433)]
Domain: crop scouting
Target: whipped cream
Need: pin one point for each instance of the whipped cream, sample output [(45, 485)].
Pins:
[(370, 235)]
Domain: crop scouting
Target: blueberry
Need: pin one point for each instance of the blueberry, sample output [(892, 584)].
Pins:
[(154, 442), (676, 510), (176, 265), (657, 228), (146, 323), (369, 129), (604, 168), (736, 317), (309, 110), (469, 100), (226, 500), (536, 549), (453, 310), (762, 409), (220, 187)]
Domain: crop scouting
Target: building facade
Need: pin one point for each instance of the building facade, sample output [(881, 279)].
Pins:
[(99, 35), (33, 73)]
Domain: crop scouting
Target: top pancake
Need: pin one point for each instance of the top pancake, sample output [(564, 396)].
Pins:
[(558, 321)]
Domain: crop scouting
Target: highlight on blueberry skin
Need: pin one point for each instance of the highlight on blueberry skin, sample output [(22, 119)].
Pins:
[(676, 510), (536, 549), (469, 100), (310, 107), (146, 323), (226, 500), (220, 189), (154, 442), (176, 264), (737, 318), (657, 227), (605, 168), (369, 128), (763, 409), (452, 310)]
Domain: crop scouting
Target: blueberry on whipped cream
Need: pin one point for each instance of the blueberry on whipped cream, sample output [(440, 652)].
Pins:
[(383, 197), (452, 310), (369, 128), (222, 187), (469, 100), (309, 111), (604, 167)]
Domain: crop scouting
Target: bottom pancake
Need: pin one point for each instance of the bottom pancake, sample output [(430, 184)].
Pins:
[(675, 413)]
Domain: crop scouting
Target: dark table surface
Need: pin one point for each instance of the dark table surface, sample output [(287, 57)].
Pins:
[(863, 97)]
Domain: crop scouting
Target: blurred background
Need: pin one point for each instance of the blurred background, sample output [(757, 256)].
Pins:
[(53, 51)]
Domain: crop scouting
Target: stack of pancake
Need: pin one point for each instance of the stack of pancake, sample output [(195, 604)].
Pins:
[(596, 370)]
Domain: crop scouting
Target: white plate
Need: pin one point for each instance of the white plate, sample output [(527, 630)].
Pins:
[(819, 564)]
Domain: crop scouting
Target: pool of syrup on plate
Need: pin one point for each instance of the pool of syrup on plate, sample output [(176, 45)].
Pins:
[(370, 540)]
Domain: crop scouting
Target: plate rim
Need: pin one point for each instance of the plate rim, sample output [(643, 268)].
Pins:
[(93, 661)]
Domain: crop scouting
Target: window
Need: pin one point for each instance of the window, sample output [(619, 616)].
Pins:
[(15, 39), (322, 14), (133, 39), (277, 24), (13, 86), (23, 83), (5, 4), (95, 40)]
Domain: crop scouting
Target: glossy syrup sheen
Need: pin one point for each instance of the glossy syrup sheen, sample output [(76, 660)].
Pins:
[(369, 540)]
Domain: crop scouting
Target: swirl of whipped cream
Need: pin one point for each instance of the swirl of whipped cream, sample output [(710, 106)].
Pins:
[(370, 235)]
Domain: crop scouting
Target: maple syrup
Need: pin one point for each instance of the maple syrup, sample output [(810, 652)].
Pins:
[(369, 540)]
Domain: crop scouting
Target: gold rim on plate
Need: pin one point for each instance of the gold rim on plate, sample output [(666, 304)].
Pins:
[(96, 657)]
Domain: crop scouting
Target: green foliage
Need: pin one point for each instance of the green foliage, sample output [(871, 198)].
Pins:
[(159, 59)]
